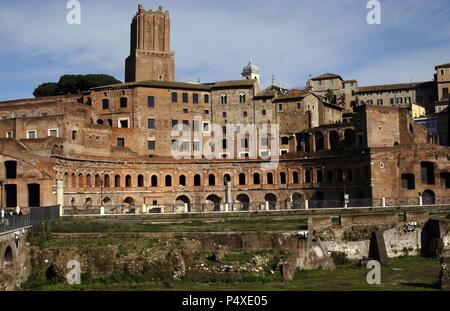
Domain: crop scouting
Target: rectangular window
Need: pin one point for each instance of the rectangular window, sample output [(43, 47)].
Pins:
[(244, 143), (185, 110), (224, 130), (399, 100), (123, 102), (196, 125), (280, 107), (185, 145), (185, 98), (195, 98), (151, 102), (185, 124), (206, 98), (175, 125), (263, 112), (151, 124), (124, 123), (74, 135), (392, 102), (264, 141), (151, 144), (224, 114), (245, 114), (175, 145), (174, 97), (427, 172), (120, 142), (407, 100), (205, 111), (206, 127), (370, 102), (31, 134), (379, 102), (445, 92), (408, 181), (196, 145), (53, 132), (9, 134), (105, 104)]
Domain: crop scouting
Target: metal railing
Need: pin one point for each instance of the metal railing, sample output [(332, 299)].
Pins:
[(14, 222), (251, 206)]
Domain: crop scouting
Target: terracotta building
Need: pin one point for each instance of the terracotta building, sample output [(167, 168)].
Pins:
[(141, 144)]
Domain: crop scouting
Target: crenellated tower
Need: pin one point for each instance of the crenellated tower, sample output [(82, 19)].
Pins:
[(150, 55)]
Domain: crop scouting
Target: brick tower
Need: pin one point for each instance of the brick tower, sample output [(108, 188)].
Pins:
[(150, 55)]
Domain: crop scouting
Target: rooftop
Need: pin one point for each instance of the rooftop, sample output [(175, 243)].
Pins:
[(392, 87), (327, 76)]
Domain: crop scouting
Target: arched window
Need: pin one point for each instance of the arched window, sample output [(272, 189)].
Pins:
[(117, 181), (168, 181), (269, 178), (242, 98), (107, 182), (308, 177), (97, 181), (282, 178), (197, 181), (73, 181), (140, 181), (242, 180), (182, 181), (212, 180), (88, 181), (80, 181), (223, 99), (226, 179), (295, 178), (154, 181), (256, 179), (128, 181)]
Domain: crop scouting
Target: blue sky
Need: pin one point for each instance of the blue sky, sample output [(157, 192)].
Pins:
[(214, 39)]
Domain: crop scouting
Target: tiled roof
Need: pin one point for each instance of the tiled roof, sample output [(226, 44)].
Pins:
[(443, 66), (392, 87), (327, 76), (234, 83)]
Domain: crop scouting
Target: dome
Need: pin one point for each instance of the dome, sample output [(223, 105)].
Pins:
[(249, 69)]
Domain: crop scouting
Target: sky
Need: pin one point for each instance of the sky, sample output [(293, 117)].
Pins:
[(214, 39)]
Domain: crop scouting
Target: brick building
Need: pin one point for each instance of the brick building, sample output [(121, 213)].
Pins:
[(116, 145)]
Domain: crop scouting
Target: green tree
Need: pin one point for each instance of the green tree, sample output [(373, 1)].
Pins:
[(74, 84), (46, 89)]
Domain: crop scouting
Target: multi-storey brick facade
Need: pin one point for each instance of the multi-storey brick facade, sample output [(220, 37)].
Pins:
[(114, 145)]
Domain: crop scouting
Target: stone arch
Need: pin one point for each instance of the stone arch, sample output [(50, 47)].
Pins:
[(107, 202), (334, 140), (8, 259), (272, 199), (429, 197), (130, 201), (97, 181), (215, 201), (297, 200), (244, 201), (183, 199), (88, 181)]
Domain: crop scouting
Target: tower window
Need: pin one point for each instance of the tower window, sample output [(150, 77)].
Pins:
[(195, 98), (242, 98), (206, 98), (105, 104), (174, 97), (120, 142), (151, 102), (223, 99), (185, 98), (151, 124), (151, 144), (123, 102)]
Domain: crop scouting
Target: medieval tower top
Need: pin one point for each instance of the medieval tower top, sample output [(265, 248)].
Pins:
[(150, 55)]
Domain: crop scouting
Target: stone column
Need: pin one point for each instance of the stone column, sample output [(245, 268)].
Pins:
[(326, 141), (306, 204), (60, 192), (312, 143), (420, 200), (229, 197)]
